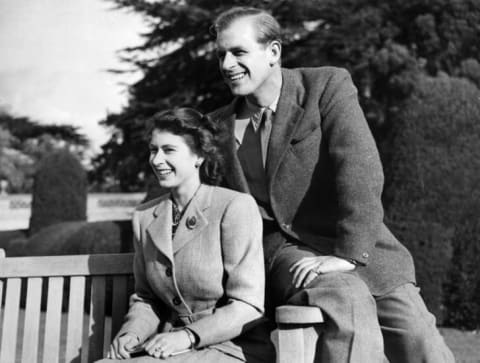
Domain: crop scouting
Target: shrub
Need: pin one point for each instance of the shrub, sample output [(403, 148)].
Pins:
[(431, 176), (7, 237), (59, 191), (431, 248), (72, 238), (463, 288)]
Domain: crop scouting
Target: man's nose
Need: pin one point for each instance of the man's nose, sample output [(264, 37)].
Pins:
[(228, 61)]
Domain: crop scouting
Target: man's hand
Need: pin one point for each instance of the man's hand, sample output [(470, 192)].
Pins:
[(308, 268)]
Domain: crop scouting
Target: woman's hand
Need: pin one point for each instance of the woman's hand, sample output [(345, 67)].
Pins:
[(122, 346), (307, 269), (164, 345)]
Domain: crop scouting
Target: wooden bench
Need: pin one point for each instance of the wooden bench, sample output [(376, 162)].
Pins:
[(68, 329)]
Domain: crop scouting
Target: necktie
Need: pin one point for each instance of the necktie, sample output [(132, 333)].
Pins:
[(265, 129), (252, 155)]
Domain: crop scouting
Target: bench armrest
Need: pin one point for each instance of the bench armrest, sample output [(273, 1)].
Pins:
[(292, 314)]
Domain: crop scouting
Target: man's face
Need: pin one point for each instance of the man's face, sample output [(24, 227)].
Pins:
[(246, 65)]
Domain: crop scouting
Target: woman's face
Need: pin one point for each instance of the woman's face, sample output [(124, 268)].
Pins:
[(173, 162)]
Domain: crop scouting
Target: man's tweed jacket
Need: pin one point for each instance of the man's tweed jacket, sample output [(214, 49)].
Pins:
[(324, 173)]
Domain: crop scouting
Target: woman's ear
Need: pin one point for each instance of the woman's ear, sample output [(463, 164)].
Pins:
[(199, 162)]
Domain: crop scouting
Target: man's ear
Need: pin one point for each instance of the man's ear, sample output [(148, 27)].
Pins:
[(275, 48)]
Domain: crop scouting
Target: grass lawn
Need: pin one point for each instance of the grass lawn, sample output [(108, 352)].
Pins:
[(464, 344)]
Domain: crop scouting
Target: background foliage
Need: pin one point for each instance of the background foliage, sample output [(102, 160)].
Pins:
[(383, 45), (24, 142)]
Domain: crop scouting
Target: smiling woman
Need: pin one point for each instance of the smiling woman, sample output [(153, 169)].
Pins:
[(199, 272)]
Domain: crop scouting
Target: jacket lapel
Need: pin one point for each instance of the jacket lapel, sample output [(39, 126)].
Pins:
[(160, 229), (286, 119), (193, 220), (234, 173)]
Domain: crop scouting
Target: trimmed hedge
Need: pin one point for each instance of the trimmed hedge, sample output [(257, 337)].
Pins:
[(71, 238), (59, 191), (432, 179)]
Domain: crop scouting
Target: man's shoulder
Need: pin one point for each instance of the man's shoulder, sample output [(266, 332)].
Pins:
[(316, 74)]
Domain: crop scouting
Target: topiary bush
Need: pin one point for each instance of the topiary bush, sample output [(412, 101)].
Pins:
[(59, 191), (431, 176), (73, 238)]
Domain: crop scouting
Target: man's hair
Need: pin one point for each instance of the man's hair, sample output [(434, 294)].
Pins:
[(267, 27)]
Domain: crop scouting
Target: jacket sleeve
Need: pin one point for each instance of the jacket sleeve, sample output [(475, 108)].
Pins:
[(241, 241), (357, 168), (143, 317)]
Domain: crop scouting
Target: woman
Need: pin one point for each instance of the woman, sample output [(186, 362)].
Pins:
[(199, 273)]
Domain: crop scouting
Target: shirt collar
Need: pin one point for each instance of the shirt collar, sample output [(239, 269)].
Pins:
[(250, 111)]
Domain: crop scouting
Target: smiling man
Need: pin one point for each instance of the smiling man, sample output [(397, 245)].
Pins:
[(299, 143)]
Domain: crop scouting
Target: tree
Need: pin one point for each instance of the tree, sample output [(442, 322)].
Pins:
[(24, 142), (383, 44), (59, 192)]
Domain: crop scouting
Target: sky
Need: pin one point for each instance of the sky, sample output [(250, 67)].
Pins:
[(54, 56)]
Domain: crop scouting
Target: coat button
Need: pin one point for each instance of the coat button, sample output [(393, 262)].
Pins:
[(286, 226), (176, 300), (168, 272), (191, 222), (365, 255)]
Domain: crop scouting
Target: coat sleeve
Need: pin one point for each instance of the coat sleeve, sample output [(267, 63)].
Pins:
[(244, 284), (357, 168), (143, 317)]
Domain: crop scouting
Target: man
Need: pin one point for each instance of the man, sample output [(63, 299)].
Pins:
[(299, 143)]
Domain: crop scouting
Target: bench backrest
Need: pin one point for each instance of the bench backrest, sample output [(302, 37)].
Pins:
[(62, 327)]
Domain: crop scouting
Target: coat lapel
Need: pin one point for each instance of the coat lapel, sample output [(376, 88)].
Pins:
[(193, 220), (234, 173), (286, 119), (160, 229)]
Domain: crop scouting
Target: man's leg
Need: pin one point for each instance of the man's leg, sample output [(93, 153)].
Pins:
[(352, 333), (409, 329)]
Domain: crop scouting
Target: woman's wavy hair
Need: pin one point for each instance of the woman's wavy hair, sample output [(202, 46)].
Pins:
[(199, 133)]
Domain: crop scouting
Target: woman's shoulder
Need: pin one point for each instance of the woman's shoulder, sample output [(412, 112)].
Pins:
[(230, 194), (152, 203), (223, 198)]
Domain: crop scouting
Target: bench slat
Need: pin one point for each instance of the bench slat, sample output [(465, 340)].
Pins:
[(10, 321), (32, 320), (119, 302), (75, 317), (96, 326), (69, 265), (51, 344)]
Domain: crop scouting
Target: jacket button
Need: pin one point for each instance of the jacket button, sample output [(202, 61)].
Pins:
[(168, 272), (191, 222), (176, 300), (286, 226), (365, 255)]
